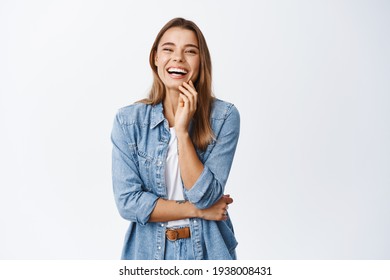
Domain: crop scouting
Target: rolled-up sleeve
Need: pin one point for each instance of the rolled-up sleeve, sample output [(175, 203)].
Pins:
[(211, 183), (133, 202)]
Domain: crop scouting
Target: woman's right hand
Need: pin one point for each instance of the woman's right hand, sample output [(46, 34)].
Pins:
[(217, 212)]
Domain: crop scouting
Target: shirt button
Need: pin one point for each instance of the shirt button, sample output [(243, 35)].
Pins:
[(162, 225), (195, 222), (159, 163), (159, 248)]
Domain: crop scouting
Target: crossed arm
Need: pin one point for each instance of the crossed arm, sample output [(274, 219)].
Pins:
[(169, 210)]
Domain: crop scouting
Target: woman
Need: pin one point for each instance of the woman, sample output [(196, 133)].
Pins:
[(172, 154)]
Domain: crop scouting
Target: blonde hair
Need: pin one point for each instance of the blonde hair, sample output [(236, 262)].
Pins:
[(201, 134)]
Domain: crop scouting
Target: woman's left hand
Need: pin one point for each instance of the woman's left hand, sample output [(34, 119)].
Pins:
[(186, 108)]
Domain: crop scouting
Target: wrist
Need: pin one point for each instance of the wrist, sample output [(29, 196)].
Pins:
[(182, 134), (195, 212)]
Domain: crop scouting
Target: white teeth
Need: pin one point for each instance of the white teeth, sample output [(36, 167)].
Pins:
[(178, 70)]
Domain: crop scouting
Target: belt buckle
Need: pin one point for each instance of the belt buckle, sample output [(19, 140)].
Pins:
[(169, 231)]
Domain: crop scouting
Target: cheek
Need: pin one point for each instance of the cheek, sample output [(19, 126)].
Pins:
[(161, 62), (162, 58)]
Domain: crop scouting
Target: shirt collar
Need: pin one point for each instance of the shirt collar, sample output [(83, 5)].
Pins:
[(157, 115)]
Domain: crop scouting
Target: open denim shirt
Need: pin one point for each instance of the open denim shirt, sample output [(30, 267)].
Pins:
[(140, 138)]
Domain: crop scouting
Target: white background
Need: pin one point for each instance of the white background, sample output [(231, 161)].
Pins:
[(311, 177)]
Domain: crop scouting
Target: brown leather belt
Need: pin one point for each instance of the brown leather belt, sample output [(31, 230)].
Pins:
[(178, 233)]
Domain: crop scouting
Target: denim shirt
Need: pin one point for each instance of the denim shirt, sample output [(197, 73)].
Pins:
[(140, 138)]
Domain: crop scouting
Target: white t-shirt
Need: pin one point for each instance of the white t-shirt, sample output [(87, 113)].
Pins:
[(172, 176)]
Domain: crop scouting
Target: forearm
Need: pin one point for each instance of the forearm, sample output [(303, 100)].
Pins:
[(190, 165), (171, 210)]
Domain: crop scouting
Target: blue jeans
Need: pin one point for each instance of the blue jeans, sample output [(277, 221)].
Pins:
[(180, 249)]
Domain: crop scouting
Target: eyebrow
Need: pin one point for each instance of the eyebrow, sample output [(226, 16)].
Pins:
[(186, 45)]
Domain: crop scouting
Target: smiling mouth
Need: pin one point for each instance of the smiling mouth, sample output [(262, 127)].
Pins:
[(177, 72)]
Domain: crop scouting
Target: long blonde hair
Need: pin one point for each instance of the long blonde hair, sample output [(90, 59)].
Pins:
[(201, 134)]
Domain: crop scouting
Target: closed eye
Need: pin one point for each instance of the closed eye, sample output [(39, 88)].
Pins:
[(191, 51)]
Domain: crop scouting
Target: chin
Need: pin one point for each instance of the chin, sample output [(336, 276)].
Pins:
[(174, 83)]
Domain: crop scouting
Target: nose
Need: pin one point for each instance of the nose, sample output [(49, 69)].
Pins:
[(178, 56)]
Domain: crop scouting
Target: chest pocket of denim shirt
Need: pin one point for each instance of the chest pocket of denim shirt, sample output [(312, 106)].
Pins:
[(145, 168)]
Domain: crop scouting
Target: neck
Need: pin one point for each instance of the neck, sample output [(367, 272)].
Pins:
[(170, 105)]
